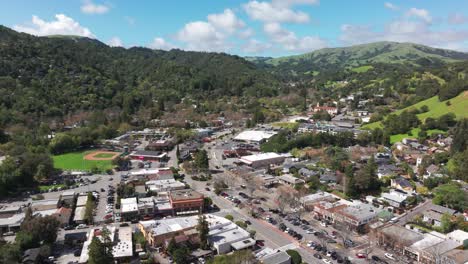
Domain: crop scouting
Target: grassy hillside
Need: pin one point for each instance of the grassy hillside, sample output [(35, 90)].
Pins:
[(458, 106), (378, 52)]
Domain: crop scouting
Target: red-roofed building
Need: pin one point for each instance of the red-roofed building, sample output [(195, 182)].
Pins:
[(329, 109)]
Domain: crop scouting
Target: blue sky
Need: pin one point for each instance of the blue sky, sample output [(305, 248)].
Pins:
[(248, 27)]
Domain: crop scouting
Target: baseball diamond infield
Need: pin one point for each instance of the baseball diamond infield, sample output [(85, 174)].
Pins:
[(101, 155)]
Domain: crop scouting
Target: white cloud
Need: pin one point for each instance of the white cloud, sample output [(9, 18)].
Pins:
[(226, 21), (289, 41), (201, 36), (404, 31), (63, 25), (89, 7), (161, 44), (457, 19), (391, 6), (420, 13), (115, 42), (254, 46), (286, 3), (269, 12), (247, 33)]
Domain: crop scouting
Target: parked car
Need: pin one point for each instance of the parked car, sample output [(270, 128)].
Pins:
[(317, 256), (390, 256), (81, 226), (327, 261), (361, 255), (68, 227), (375, 258)]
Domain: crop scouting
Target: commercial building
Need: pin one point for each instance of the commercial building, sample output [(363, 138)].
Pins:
[(279, 257), (148, 155), (164, 185), (43, 205), (79, 217), (254, 136), (121, 239), (224, 236), (68, 198), (11, 223), (262, 160), (186, 202), (309, 200), (129, 208)]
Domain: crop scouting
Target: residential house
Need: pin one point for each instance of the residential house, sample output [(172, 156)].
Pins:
[(433, 215), (401, 184), (288, 179), (395, 198)]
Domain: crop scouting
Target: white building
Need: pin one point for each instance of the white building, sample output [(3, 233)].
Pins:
[(257, 136), (262, 160)]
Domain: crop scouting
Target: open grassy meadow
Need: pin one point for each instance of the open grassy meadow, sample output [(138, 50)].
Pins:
[(458, 105), (76, 161)]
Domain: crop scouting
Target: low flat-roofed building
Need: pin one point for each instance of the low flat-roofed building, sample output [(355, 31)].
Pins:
[(262, 159), (185, 202), (257, 136), (289, 179), (82, 200), (308, 200), (68, 197), (11, 223), (459, 236), (395, 237), (148, 155), (146, 206), (357, 215), (164, 185), (222, 232), (79, 217), (8, 211), (129, 208), (456, 256), (279, 257), (43, 205), (123, 246)]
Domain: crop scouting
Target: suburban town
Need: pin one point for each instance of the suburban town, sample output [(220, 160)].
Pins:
[(234, 132)]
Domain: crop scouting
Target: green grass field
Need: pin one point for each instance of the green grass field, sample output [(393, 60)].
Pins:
[(458, 106), (362, 69), (414, 134), (75, 161)]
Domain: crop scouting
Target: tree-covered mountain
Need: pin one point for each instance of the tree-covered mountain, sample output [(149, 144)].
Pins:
[(361, 55), (43, 78)]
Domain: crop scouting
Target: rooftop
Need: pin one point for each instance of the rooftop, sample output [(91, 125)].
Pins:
[(278, 257), (254, 135), (129, 205), (14, 220), (188, 194), (124, 246), (261, 156)]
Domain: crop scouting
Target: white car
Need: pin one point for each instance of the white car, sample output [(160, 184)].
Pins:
[(286, 230), (309, 232), (323, 224), (390, 256), (327, 261), (81, 226)]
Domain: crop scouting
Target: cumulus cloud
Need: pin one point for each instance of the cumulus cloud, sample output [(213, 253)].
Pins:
[(391, 6), (420, 13), (289, 41), (161, 44), (254, 46), (271, 12), (247, 33), (91, 8), (62, 25), (457, 19), (404, 31), (201, 36), (226, 21), (115, 42)]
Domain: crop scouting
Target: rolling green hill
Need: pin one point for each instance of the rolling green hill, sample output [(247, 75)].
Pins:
[(378, 52), (458, 105)]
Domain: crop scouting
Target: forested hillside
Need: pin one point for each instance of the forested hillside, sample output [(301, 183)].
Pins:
[(43, 78)]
